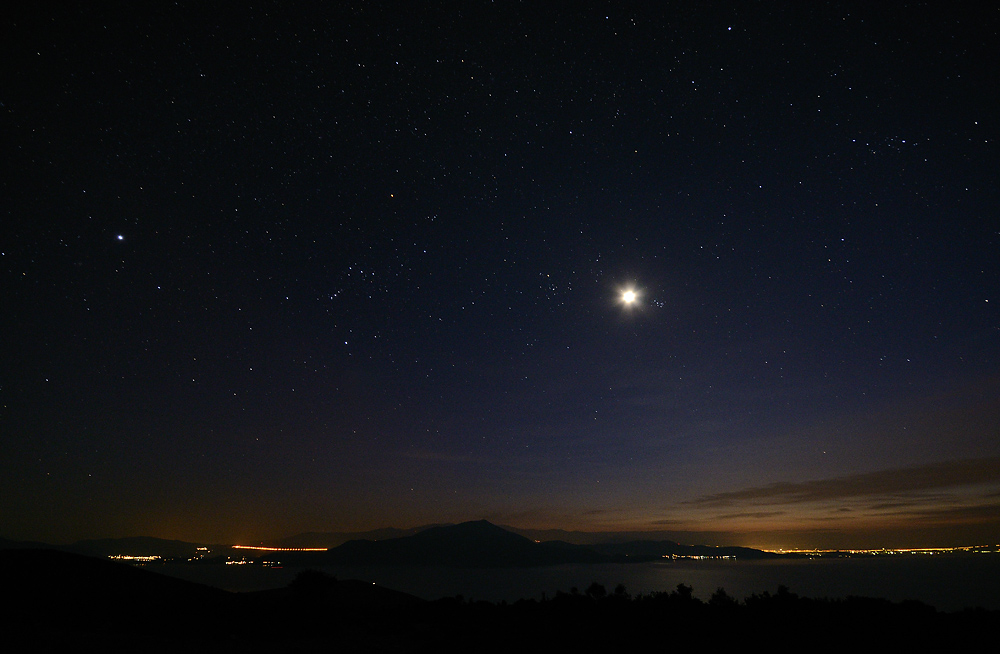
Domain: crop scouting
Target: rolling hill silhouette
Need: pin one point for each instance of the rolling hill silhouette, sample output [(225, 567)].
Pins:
[(336, 538), (87, 593), (469, 544), (138, 546), (58, 601)]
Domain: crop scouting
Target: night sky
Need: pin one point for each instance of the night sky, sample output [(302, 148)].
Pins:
[(328, 267)]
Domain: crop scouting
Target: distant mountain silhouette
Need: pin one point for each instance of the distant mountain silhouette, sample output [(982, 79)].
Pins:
[(140, 546), (23, 545), (469, 544), (336, 538)]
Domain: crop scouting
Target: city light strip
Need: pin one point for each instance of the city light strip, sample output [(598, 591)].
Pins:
[(281, 549), (892, 550)]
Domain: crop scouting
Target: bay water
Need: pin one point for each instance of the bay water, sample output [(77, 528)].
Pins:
[(949, 583)]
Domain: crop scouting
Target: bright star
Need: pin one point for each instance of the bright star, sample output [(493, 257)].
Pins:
[(628, 297)]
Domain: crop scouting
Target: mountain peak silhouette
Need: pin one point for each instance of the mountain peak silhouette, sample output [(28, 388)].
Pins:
[(477, 543), (474, 532)]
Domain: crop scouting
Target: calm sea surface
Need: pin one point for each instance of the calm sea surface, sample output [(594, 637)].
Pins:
[(948, 583)]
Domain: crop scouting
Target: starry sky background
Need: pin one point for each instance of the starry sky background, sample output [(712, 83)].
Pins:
[(335, 266)]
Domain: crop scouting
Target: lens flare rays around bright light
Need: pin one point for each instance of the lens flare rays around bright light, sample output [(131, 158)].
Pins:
[(629, 297)]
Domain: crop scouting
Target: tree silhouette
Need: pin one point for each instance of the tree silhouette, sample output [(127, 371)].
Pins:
[(720, 599), (684, 593)]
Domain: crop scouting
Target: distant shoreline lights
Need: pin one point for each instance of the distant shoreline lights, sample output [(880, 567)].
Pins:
[(281, 549)]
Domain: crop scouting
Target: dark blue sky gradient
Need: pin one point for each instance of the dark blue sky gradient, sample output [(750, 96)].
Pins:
[(321, 266)]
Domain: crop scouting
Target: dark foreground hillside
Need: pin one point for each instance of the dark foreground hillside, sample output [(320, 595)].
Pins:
[(66, 602)]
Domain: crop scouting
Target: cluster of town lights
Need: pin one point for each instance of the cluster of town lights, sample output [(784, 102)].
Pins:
[(977, 549)]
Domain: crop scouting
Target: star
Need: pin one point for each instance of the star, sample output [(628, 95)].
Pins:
[(628, 297)]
